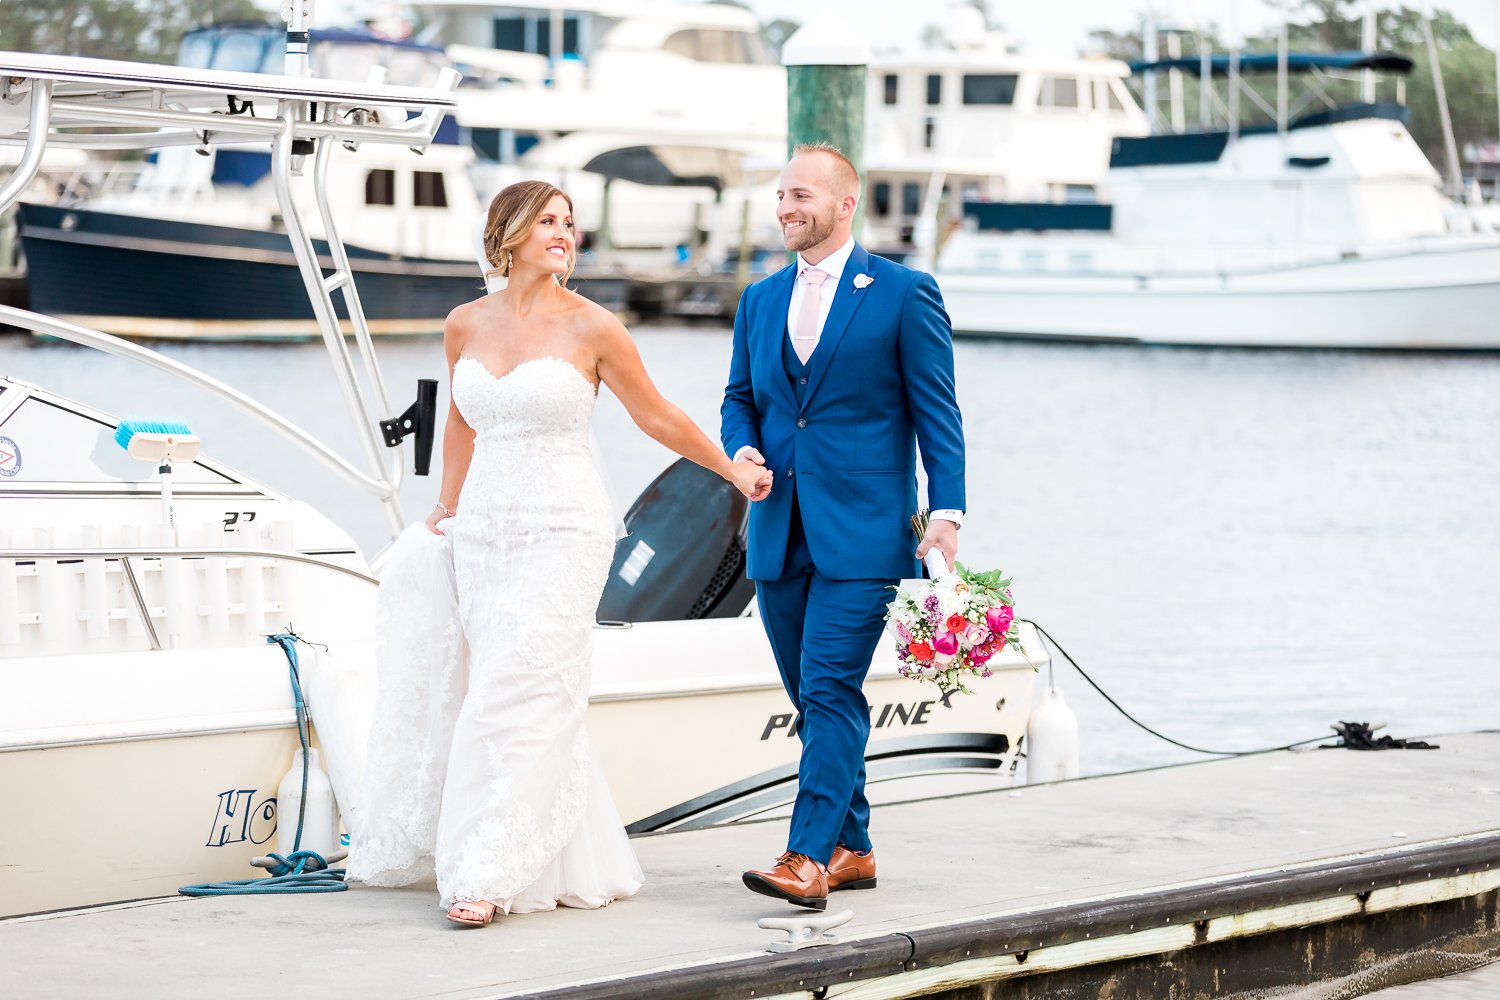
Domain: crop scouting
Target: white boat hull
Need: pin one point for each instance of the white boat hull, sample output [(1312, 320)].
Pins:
[(117, 792), (1435, 300)]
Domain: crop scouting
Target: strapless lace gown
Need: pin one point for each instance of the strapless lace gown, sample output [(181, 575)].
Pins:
[(488, 781)]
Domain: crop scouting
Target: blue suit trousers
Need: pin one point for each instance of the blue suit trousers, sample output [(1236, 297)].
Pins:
[(823, 633)]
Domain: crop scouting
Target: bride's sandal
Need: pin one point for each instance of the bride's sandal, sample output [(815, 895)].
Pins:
[(472, 914)]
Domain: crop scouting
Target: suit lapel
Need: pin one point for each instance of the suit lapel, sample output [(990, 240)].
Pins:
[(846, 301), (773, 331)]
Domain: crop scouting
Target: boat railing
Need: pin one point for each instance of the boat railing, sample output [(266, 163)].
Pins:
[(84, 336), (58, 559), (66, 94)]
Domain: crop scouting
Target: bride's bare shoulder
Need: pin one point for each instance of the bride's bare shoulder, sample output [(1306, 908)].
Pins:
[(594, 322), (459, 325)]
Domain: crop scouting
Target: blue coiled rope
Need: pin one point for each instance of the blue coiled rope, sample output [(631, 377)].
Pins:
[(299, 871)]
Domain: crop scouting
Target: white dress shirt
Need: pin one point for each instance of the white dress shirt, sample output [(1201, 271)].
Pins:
[(833, 265)]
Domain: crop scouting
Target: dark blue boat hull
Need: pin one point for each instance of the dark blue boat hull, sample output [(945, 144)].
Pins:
[(131, 270)]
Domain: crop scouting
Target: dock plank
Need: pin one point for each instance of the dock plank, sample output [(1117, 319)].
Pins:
[(1018, 858)]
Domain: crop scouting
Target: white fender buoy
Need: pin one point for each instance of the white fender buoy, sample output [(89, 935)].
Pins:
[(320, 824), (1051, 740)]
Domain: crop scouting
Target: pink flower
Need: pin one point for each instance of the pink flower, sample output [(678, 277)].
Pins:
[(977, 634), (945, 643), (981, 654), (903, 632), (999, 618)]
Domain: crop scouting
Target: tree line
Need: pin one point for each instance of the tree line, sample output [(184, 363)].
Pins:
[(139, 30)]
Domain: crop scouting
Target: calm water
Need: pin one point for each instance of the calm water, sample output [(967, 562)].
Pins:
[(1241, 546)]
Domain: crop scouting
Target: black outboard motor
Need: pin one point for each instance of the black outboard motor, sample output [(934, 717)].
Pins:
[(684, 556)]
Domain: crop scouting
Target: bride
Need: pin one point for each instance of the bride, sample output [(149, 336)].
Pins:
[(479, 769)]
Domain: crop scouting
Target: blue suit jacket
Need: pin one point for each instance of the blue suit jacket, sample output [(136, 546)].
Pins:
[(879, 384)]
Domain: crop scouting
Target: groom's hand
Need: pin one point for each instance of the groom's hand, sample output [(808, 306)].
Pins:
[(751, 477), (763, 483), (943, 536)]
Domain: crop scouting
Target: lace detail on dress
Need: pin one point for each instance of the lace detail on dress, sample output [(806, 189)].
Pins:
[(494, 786)]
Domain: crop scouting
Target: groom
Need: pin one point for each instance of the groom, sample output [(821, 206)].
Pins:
[(842, 366)]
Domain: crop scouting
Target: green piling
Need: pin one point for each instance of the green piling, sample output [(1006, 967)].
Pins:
[(827, 64)]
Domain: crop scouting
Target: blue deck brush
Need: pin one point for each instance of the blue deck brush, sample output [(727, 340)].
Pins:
[(162, 442)]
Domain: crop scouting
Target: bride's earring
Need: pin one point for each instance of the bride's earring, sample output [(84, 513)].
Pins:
[(509, 262)]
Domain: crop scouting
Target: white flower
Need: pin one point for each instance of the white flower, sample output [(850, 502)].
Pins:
[(862, 281)]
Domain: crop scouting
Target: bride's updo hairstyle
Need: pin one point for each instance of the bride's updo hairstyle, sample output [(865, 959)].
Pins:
[(512, 214)]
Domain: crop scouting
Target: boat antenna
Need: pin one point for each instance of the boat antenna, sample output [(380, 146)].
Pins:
[(298, 17), (1453, 182)]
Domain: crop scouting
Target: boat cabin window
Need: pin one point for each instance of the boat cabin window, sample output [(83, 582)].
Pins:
[(1058, 92), (380, 187), (240, 50), (427, 189), (195, 50), (989, 88), (533, 33), (57, 445), (1105, 97), (911, 198), (714, 45), (929, 132), (880, 199), (934, 88), (889, 82)]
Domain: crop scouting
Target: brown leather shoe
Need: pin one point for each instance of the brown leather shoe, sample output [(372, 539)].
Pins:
[(795, 878), (848, 870)]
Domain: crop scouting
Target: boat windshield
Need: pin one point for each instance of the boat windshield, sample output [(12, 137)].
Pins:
[(251, 49), (46, 443)]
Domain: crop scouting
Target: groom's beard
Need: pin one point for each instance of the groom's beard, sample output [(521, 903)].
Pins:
[(811, 234)]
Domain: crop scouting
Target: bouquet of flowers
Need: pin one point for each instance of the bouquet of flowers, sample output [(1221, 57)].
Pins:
[(950, 626)]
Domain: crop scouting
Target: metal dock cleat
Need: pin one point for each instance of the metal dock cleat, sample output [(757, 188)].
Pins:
[(804, 931)]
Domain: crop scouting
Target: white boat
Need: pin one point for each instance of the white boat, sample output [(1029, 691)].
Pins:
[(1331, 231), (644, 110), (976, 119), (146, 721), (189, 244)]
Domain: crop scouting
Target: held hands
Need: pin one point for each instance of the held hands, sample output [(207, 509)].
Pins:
[(943, 536), (751, 476)]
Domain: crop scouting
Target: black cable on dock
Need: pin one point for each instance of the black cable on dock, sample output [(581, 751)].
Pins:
[(1047, 637)]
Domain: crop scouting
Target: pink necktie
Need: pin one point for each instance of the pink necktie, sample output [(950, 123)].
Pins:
[(805, 335)]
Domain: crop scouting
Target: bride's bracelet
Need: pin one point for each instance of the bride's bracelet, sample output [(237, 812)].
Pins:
[(444, 508)]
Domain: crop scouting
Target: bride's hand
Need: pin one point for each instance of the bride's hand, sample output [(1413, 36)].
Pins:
[(752, 479), (438, 514)]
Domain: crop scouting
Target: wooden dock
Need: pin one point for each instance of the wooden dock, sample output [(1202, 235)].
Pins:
[(1365, 870)]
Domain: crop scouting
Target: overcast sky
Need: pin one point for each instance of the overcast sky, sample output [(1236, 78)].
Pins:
[(1063, 26)]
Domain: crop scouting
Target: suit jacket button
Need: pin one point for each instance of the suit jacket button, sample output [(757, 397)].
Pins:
[(790, 473), (802, 380), (802, 422)]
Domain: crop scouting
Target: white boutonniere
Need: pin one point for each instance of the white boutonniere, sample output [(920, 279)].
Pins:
[(862, 281)]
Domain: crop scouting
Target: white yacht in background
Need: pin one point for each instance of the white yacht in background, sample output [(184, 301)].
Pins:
[(147, 723), (974, 119), (190, 242), (646, 110), (1331, 231)]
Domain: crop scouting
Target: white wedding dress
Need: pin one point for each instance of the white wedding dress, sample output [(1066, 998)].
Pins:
[(479, 771)]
